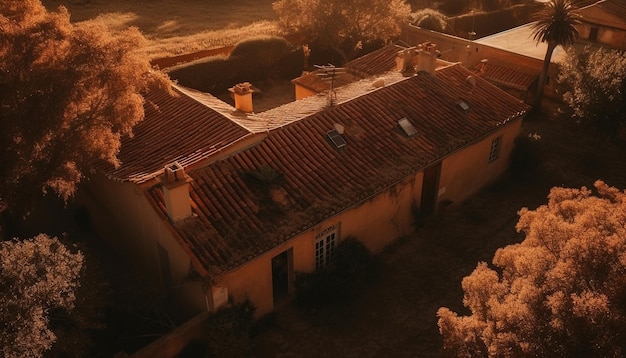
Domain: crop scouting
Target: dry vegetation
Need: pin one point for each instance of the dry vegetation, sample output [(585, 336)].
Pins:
[(174, 27)]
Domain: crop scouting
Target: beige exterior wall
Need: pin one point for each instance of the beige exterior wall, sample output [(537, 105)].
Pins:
[(376, 222), (467, 171), (133, 224), (303, 92), (123, 216)]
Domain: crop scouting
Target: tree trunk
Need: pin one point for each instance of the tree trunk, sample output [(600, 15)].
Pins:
[(543, 76)]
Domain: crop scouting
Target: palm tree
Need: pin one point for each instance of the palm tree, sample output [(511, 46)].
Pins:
[(556, 25)]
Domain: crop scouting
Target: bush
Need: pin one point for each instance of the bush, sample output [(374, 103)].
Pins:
[(353, 267), (525, 159), (262, 51), (228, 331), (251, 60)]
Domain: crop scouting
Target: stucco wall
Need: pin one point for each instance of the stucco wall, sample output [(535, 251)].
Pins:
[(467, 171), (377, 222), (123, 216)]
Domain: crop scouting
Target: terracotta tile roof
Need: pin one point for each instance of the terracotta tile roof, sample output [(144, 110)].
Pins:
[(504, 76), (174, 129), (295, 178), (373, 63)]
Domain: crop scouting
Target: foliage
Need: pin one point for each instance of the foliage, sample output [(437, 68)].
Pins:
[(430, 19), (453, 7), (596, 87), (493, 5), (556, 25), (36, 275), (229, 331), (559, 293), (342, 25), (68, 93), (352, 267), (254, 59)]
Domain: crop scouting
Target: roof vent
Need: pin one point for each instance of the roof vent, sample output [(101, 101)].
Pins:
[(407, 127), (463, 105), (336, 139)]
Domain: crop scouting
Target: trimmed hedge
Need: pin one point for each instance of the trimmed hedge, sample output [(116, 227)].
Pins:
[(255, 59)]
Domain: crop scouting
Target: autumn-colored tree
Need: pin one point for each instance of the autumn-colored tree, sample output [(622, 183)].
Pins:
[(36, 276), (342, 25), (68, 93), (559, 293), (595, 82), (555, 25)]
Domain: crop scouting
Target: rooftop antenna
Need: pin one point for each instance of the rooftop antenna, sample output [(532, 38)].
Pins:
[(328, 74)]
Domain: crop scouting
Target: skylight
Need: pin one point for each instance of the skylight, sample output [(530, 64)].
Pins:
[(336, 139), (407, 127)]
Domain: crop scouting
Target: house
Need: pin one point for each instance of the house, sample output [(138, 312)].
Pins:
[(219, 202), (604, 24)]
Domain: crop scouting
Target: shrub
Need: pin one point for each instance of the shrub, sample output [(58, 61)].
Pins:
[(262, 51), (228, 331), (353, 266), (251, 60), (525, 159)]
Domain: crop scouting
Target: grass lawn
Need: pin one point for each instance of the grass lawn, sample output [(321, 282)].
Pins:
[(174, 27)]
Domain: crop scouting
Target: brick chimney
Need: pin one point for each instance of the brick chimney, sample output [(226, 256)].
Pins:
[(243, 96), (175, 186), (427, 57)]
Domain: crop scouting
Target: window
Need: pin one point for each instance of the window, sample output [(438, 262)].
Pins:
[(336, 139), (494, 153), (325, 247), (593, 34)]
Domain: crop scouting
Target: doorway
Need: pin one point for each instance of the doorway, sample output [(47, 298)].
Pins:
[(282, 276), (430, 186)]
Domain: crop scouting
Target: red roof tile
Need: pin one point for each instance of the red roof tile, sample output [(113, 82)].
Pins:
[(504, 76), (239, 215), (174, 129)]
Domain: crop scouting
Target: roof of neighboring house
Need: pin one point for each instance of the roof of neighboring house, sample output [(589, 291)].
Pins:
[(295, 178), (175, 128), (611, 13), (372, 64), (520, 40), (504, 76)]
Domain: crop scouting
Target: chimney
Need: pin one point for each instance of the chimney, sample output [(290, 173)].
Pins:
[(427, 57), (175, 186), (243, 96), (404, 61)]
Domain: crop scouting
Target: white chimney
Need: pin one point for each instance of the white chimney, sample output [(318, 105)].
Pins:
[(243, 96), (427, 57), (175, 186)]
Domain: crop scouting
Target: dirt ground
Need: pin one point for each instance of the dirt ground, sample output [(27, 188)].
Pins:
[(396, 315)]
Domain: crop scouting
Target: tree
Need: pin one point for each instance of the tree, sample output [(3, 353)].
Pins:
[(559, 293), (342, 25), (555, 25), (595, 84), (36, 276), (430, 19), (68, 93)]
